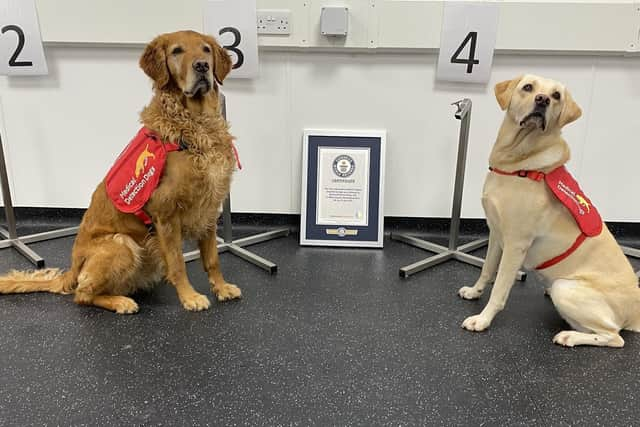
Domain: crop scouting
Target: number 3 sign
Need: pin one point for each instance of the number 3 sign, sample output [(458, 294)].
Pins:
[(21, 51), (467, 42), (233, 24)]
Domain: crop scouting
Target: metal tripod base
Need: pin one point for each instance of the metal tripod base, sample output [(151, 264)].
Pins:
[(236, 247), (455, 252), (633, 253), (443, 254), (20, 243)]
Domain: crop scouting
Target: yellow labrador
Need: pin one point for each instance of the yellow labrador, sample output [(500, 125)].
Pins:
[(592, 285)]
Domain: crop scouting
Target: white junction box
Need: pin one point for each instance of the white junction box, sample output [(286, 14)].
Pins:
[(272, 21), (334, 21)]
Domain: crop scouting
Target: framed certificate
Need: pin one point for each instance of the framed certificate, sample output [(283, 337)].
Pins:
[(342, 188)]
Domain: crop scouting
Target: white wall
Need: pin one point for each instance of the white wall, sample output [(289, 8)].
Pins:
[(568, 25), (63, 131)]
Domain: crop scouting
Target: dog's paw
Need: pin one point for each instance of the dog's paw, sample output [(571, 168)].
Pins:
[(468, 292), (196, 302), (227, 292), (565, 338), (125, 305), (476, 323), (62, 290)]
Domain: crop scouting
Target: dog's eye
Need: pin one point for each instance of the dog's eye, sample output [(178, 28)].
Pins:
[(177, 51), (206, 49), (556, 95), (528, 87)]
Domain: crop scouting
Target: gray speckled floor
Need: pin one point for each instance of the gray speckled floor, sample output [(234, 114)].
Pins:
[(335, 338)]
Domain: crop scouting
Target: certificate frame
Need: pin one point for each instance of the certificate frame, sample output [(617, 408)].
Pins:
[(365, 232)]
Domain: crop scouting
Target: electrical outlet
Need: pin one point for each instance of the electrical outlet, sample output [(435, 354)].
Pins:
[(274, 21)]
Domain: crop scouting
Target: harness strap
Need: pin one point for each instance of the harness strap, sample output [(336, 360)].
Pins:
[(533, 175), (235, 153), (539, 176), (144, 217), (553, 261), (169, 147)]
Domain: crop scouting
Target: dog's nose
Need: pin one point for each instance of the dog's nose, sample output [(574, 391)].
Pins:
[(201, 66), (542, 100)]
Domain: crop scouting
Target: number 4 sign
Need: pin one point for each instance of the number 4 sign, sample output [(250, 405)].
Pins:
[(233, 24), (467, 42), (21, 51)]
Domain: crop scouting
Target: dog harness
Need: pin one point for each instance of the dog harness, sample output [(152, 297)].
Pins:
[(137, 171), (565, 188)]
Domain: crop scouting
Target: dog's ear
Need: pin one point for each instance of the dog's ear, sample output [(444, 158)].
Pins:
[(571, 111), (154, 62), (504, 92), (221, 61), (223, 64)]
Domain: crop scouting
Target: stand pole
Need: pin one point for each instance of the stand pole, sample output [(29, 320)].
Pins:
[(463, 114), (458, 253), (6, 196), (236, 247), (11, 236)]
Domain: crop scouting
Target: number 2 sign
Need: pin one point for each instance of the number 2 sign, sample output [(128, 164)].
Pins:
[(21, 51), (233, 24), (467, 41)]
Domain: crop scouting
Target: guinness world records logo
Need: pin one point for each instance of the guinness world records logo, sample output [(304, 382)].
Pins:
[(344, 166)]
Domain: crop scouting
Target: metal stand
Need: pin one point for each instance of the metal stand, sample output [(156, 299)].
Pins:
[(20, 243), (459, 253), (632, 252), (236, 247)]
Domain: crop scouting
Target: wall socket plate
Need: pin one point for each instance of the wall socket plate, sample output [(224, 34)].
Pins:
[(274, 21)]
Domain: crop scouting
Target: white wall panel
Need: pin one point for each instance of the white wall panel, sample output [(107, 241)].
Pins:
[(389, 92), (259, 113), (610, 166), (565, 26), (541, 25), (409, 23), (115, 21), (64, 130)]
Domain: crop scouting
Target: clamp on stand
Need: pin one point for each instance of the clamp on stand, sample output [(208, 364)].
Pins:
[(236, 247), (453, 251)]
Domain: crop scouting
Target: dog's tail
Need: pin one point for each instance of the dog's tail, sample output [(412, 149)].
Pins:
[(48, 280)]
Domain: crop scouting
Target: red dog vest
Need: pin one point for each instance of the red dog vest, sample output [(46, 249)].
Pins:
[(137, 171), (569, 193), (567, 190)]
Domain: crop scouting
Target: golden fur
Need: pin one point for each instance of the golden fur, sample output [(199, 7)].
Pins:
[(114, 255), (595, 289)]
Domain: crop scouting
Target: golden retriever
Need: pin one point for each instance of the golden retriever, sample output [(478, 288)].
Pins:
[(594, 288), (115, 254)]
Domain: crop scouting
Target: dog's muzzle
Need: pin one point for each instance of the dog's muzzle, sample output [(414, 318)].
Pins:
[(200, 87), (537, 117)]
